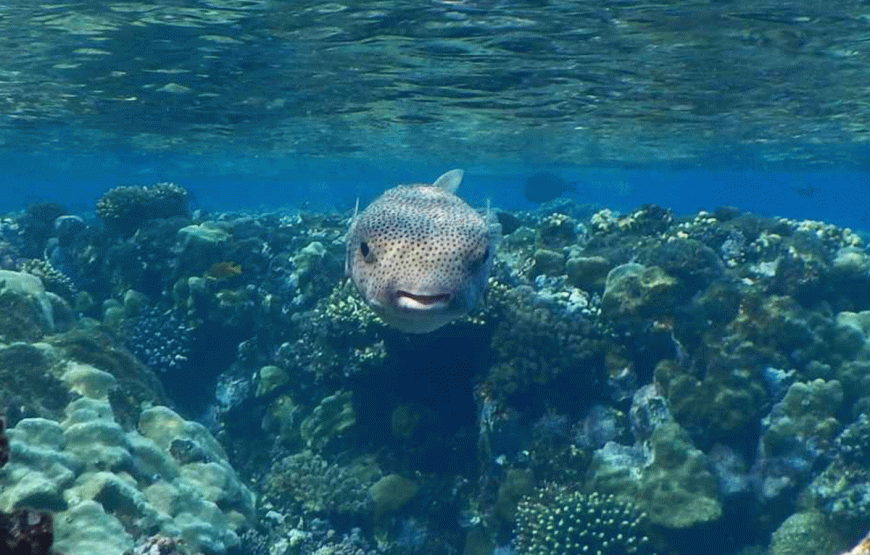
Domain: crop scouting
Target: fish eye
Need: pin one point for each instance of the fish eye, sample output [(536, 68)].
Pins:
[(364, 249)]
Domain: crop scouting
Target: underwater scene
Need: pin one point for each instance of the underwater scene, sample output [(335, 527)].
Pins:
[(444, 277)]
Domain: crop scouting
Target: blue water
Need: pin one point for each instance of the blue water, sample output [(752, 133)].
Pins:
[(227, 183), (251, 103)]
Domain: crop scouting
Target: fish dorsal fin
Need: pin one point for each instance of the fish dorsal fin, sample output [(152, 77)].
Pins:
[(449, 181), (355, 209)]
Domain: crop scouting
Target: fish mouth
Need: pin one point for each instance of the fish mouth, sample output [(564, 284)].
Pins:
[(414, 301)]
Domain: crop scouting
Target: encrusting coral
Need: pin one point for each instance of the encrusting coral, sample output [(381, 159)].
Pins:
[(23, 531)]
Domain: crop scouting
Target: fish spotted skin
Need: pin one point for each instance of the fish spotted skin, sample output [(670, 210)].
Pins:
[(419, 255)]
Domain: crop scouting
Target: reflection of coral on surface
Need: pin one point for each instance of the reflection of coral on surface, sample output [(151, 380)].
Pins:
[(24, 532)]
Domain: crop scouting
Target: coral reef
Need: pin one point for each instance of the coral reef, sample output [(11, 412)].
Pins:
[(160, 337), (709, 370), (559, 522), (318, 487), (669, 479), (125, 209), (24, 531), (107, 484)]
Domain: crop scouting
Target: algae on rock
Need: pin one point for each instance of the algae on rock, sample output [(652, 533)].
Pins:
[(670, 479)]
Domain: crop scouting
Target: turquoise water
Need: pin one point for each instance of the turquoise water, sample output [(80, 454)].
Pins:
[(323, 101)]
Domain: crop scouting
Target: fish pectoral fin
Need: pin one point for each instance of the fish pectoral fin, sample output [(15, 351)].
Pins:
[(450, 181)]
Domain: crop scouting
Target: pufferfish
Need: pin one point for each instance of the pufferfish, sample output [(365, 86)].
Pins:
[(419, 255)]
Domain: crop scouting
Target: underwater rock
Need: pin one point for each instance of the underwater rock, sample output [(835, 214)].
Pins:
[(669, 478), (600, 425), (731, 470), (547, 262), (270, 378), (517, 484), (806, 534), (636, 291), (799, 429), (587, 272), (649, 410), (26, 310), (67, 227), (390, 493), (200, 246)]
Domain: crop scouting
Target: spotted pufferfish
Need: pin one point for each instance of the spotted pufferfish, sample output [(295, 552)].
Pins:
[(420, 256)]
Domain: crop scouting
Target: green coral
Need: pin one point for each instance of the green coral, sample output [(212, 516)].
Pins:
[(806, 534), (317, 486), (331, 418), (637, 291), (561, 522), (674, 485), (725, 402), (536, 340)]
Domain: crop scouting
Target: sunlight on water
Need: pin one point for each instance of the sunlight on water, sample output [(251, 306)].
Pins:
[(571, 82)]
